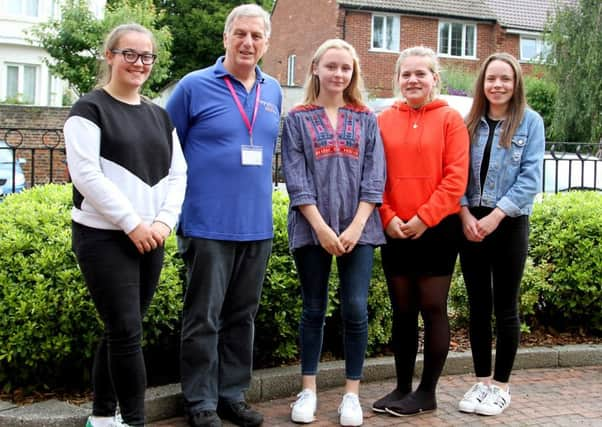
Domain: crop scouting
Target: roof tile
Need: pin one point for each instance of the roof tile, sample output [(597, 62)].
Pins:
[(529, 15)]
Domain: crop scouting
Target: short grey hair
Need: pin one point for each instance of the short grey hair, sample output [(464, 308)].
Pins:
[(251, 10)]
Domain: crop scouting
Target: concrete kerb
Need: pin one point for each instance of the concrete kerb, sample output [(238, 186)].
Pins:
[(166, 401)]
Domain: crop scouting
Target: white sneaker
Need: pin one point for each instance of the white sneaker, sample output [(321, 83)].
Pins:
[(115, 421), (496, 401), (473, 397), (350, 410), (304, 408)]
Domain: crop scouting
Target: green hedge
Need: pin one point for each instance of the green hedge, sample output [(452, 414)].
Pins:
[(566, 240), (49, 327), (562, 284), (48, 324), (277, 322)]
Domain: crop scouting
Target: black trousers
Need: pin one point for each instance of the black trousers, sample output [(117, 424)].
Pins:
[(493, 270), (224, 282), (122, 283)]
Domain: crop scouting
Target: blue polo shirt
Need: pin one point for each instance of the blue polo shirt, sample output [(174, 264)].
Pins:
[(224, 199)]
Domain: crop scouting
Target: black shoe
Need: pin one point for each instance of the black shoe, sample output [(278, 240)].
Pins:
[(381, 404), (239, 413), (204, 419), (414, 403)]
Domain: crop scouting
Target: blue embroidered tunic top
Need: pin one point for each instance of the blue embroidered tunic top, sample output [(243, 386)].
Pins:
[(333, 169)]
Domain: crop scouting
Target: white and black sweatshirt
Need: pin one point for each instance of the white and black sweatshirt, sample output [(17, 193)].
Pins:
[(125, 162)]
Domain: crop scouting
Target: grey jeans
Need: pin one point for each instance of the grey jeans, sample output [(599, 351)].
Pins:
[(224, 282)]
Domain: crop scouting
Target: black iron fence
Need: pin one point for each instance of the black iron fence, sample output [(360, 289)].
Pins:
[(33, 156), (572, 166)]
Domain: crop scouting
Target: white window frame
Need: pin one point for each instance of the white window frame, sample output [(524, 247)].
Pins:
[(540, 46), (447, 52), (22, 6), (396, 31), (290, 70), (21, 81)]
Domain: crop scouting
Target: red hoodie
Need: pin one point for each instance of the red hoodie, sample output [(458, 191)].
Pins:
[(426, 151)]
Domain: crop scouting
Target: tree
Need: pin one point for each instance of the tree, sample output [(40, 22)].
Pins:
[(197, 28), (575, 63), (75, 41)]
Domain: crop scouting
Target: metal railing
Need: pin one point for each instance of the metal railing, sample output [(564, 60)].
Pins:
[(572, 166), (32, 156)]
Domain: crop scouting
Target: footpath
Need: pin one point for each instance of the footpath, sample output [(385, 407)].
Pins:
[(551, 386)]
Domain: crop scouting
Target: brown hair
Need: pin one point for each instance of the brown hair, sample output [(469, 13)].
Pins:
[(112, 40), (480, 104), (433, 64), (352, 93)]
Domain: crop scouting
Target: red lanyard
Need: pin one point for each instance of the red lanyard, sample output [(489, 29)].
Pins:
[(249, 125)]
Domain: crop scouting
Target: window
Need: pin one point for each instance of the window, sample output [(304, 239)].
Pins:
[(21, 82), (290, 72), (385, 32), (457, 39), (533, 48), (21, 7)]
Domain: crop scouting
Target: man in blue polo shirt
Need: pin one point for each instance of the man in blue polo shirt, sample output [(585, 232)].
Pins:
[(227, 118)]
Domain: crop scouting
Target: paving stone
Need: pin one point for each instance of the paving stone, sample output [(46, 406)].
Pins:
[(573, 398), (50, 413), (564, 393)]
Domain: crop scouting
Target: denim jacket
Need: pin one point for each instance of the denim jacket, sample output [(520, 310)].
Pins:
[(515, 173)]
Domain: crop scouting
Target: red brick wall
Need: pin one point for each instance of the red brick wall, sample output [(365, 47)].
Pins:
[(37, 131), (298, 28)]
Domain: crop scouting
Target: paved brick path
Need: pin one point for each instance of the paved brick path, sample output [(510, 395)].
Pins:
[(541, 397)]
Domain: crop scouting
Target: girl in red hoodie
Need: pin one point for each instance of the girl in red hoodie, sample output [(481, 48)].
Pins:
[(426, 150)]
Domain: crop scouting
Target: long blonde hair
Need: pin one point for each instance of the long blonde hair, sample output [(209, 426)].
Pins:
[(433, 64), (480, 104), (112, 40), (352, 93)]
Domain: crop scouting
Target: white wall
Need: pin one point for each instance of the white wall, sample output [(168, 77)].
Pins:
[(15, 49)]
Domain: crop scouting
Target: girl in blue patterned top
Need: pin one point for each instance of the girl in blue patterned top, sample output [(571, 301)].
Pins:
[(334, 170)]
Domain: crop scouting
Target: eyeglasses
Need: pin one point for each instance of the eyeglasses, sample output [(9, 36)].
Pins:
[(132, 57)]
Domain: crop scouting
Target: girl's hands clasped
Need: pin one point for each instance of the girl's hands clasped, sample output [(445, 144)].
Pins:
[(330, 241), (149, 237)]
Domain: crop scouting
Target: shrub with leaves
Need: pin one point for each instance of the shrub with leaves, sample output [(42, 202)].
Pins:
[(48, 325), (277, 324), (541, 95), (457, 81), (566, 237), (533, 287)]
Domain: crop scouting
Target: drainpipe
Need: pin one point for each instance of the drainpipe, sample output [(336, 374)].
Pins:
[(344, 23)]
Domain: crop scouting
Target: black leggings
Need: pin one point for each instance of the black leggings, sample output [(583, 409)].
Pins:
[(426, 295), (493, 270), (122, 283)]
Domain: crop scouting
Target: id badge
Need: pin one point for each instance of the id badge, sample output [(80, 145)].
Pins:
[(251, 155)]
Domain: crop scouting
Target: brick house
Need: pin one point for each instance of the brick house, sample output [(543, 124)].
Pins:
[(462, 32)]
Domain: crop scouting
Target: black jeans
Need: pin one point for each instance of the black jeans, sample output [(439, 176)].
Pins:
[(224, 282), (493, 270), (122, 283)]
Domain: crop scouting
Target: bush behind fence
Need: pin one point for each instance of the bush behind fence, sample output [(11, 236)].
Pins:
[(49, 327)]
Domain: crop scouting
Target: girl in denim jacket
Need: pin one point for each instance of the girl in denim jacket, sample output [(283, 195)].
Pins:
[(506, 156)]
